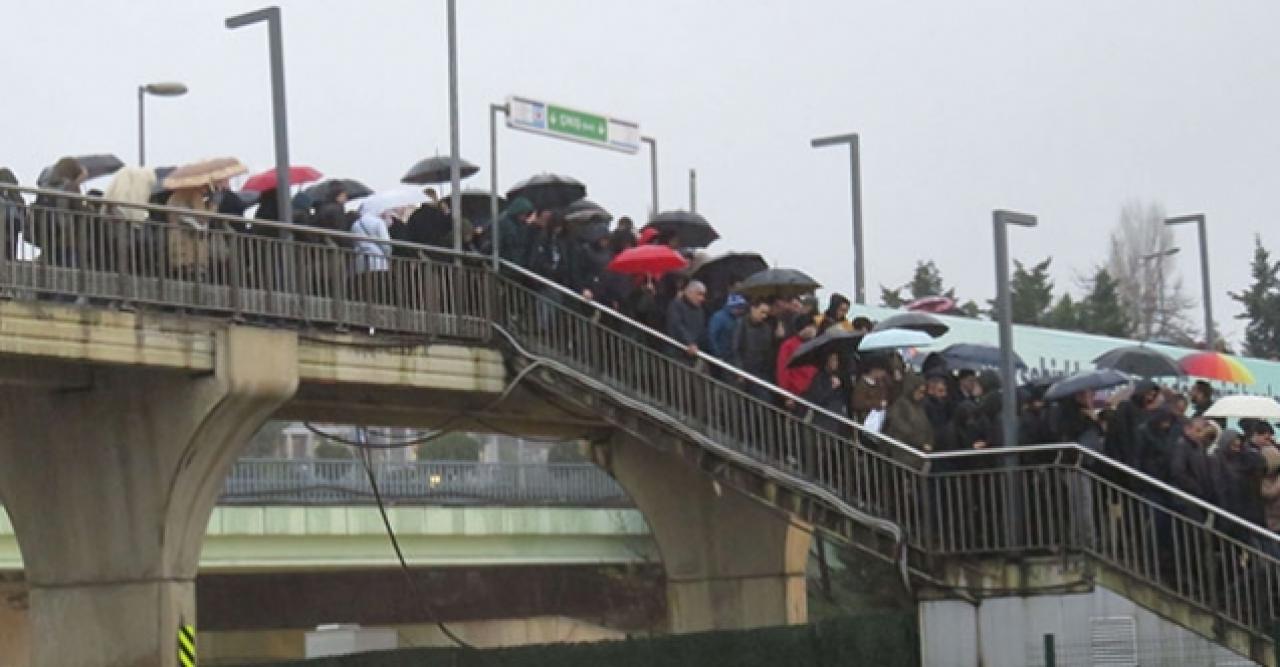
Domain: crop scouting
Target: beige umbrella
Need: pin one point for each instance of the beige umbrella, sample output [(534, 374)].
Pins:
[(203, 173)]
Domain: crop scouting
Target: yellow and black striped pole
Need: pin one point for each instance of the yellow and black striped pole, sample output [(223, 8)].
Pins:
[(187, 645)]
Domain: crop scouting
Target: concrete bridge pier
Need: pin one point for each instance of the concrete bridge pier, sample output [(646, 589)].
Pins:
[(110, 474), (731, 562)]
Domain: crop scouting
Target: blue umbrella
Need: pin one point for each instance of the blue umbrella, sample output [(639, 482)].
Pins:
[(974, 356), (894, 339), (1105, 378)]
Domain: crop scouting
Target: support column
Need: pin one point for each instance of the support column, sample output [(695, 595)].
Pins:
[(731, 562), (110, 482)]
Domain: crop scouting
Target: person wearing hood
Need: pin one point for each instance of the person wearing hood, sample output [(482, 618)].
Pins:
[(514, 231), (723, 323), (836, 314), (12, 213), (1238, 477), (373, 255), (907, 422)]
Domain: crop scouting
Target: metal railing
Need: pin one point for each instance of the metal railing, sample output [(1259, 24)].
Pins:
[(345, 482), (97, 251), (1011, 502)]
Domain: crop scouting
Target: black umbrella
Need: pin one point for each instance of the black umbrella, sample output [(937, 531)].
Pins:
[(1087, 381), (1139, 360), (547, 191), (778, 282), (475, 204), (975, 356), (96, 166), (322, 192), (915, 322), (691, 229), (814, 352), (586, 211), (437, 170), (728, 268), (591, 233)]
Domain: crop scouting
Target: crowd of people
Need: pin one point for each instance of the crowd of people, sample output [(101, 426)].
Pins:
[(937, 407)]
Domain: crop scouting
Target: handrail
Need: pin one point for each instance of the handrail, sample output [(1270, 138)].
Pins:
[(926, 456)]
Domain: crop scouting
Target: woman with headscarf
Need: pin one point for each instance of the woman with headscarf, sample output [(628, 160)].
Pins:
[(373, 255)]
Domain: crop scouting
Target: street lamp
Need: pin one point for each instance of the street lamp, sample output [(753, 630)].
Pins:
[(1159, 257), (162, 89), (455, 151), (855, 176), (494, 232), (1198, 218), (1004, 304), (279, 116), (653, 173)]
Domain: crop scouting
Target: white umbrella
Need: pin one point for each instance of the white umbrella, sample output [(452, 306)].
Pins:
[(394, 198), (894, 338), (1240, 407)]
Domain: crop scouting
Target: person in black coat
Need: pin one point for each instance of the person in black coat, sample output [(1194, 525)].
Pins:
[(829, 392), (686, 321), (753, 351), (1237, 471), (1190, 470)]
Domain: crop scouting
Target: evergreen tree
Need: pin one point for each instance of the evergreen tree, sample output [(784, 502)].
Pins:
[(1261, 304), (1030, 293), (1065, 315), (925, 281), (1103, 311)]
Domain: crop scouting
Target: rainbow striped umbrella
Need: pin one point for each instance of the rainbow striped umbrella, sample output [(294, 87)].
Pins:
[(1216, 366)]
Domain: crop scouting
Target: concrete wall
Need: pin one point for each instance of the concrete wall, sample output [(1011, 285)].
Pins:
[(1009, 632)]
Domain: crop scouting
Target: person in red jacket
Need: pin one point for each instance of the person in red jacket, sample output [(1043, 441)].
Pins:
[(796, 380)]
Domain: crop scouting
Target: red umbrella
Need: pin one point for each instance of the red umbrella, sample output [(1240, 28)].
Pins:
[(932, 304), (267, 180), (652, 260)]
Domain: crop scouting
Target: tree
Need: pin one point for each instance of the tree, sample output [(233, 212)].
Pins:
[(1101, 311), (1150, 288), (450, 447), (1261, 304), (1065, 315), (1030, 293), (925, 282)]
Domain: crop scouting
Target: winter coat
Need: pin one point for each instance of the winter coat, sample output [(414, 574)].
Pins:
[(1238, 480), (514, 234), (686, 323), (793, 379), (753, 348), (12, 212), (372, 251), (720, 332), (55, 217), (1269, 489), (1191, 472), (906, 420), (829, 398), (188, 235), (867, 396), (1154, 451)]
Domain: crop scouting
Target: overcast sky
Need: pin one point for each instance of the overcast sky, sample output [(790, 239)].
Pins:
[(1063, 109)]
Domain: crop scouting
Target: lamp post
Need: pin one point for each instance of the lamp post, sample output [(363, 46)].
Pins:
[(653, 173), (494, 232), (1210, 335), (1159, 257), (1004, 302), (279, 115), (693, 190), (455, 152), (162, 89), (855, 186)]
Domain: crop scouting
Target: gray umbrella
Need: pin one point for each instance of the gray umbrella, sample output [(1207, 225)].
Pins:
[(323, 191), (97, 166), (1087, 381), (915, 322), (586, 211), (778, 282), (691, 229), (1139, 360), (974, 356), (437, 170)]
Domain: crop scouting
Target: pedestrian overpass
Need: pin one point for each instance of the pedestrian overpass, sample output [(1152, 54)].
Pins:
[(118, 427)]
